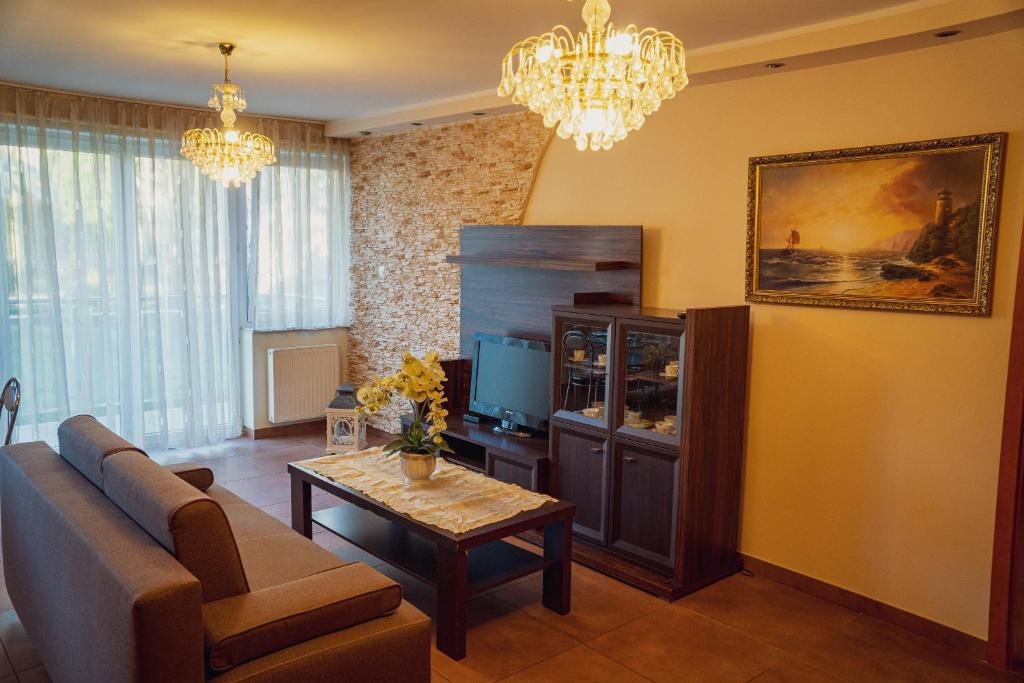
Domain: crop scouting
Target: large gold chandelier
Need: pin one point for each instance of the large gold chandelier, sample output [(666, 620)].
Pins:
[(226, 154), (601, 85)]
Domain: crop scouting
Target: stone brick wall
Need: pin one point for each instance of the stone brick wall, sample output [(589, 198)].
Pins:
[(411, 192)]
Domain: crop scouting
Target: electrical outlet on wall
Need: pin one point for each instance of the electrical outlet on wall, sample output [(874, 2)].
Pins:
[(380, 272)]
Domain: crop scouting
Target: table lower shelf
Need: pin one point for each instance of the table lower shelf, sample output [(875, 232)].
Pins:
[(489, 565)]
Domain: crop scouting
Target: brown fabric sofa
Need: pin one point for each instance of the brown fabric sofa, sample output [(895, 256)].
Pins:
[(123, 570)]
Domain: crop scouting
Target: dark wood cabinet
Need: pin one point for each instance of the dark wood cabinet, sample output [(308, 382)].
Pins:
[(647, 433), (513, 471), (643, 503), (581, 476)]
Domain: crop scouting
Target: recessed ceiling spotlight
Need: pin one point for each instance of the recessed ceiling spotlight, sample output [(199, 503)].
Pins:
[(948, 34), (479, 113), (774, 65), (417, 123), (365, 132)]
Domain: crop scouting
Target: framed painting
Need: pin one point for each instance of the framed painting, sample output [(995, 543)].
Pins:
[(905, 227)]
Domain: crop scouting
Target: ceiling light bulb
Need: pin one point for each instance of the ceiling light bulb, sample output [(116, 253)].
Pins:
[(621, 44), (231, 135), (594, 120), (545, 52), (229, 175)]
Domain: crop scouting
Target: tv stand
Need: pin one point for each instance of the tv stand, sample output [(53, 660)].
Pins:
[(510, 429), (506, 431), (516, 460)]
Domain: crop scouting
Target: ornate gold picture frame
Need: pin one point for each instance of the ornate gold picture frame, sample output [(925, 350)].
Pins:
[(904, 227)]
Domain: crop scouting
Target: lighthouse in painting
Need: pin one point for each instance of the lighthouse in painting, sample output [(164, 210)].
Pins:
[(943, 208)]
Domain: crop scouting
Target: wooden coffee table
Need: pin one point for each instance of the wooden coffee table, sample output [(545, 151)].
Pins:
[(457, 565)]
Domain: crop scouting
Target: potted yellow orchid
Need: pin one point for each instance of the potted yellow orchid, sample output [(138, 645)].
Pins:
[(421, 381)]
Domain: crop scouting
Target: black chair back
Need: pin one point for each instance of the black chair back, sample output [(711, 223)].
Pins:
[(10, 399)]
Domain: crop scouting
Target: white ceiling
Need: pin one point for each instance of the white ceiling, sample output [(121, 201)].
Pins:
[(339, 59)]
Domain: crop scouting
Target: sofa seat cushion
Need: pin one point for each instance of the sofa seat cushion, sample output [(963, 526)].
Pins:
[(277, 559), (245, 627), (248, 521), (85, 443), (391, 649), (184, 520)]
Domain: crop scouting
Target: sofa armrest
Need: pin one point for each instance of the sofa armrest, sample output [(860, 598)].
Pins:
[(244, 627), (200, 477)]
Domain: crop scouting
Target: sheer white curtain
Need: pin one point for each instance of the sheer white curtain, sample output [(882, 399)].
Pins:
[(118, 271), (298, 231)]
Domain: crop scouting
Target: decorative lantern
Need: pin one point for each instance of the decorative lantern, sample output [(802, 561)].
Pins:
[(346, 429)]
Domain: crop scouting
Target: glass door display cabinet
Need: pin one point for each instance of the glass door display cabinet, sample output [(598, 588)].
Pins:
[(647, 430), (581, 369), (649, 380)]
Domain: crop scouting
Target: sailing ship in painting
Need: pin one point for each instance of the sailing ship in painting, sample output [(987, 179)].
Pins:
[(792, 241), (890, 228)]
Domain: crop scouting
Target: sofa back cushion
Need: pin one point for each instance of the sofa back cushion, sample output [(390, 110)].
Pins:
[(85, 443), (183, 519)]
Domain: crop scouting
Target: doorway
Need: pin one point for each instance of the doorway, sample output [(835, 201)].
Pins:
[(1006, 605)]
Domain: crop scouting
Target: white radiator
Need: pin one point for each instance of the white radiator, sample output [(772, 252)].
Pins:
[(301, 381)]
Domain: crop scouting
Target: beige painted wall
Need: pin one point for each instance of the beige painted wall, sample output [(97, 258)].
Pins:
[(254, 346), (873, 437)]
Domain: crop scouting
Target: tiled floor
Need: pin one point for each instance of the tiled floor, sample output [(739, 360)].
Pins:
[(741, 629)]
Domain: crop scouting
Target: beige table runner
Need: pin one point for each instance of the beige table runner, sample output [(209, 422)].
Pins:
[(454, 498)]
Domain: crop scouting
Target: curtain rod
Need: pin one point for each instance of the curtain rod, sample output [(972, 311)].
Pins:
[(150, 103)]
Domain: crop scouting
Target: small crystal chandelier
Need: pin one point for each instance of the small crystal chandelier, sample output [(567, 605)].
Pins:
[(600, 86), (226, 154)]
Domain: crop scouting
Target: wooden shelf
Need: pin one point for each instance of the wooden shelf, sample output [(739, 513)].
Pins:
[(490, 564), (480, 434), (541, 264), (586, 367), (651, 377)]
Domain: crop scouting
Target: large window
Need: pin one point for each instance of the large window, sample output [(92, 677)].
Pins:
[(298, 241), (126, 276)]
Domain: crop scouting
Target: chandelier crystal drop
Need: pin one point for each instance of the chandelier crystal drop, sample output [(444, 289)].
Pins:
[(598, 86), (226, 154)]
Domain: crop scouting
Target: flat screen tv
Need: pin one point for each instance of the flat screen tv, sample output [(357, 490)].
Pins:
[(511, 381)]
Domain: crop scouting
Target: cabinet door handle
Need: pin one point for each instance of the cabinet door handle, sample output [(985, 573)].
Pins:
[(597, 449), (629, 459)]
